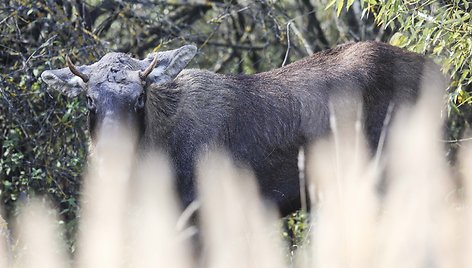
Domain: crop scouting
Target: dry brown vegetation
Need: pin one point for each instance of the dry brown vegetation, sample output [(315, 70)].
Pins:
[(422, 220)]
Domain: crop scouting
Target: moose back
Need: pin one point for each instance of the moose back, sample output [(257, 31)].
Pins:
[(261, 120)]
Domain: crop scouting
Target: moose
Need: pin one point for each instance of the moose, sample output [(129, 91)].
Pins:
[(261, 120)]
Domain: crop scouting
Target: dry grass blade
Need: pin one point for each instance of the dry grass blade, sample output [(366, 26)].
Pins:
[(345, 215), (102, 229), (5, 254), (238, 231), (464, 247), (39, 244), (416, 217), (154, 239)]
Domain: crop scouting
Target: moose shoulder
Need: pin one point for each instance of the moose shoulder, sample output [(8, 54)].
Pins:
[(261, 119)]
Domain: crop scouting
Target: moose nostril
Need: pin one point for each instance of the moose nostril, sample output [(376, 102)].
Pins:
[(91, 104), (140, 102)]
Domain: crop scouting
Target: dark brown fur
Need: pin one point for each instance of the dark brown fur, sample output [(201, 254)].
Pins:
[(262, 119)]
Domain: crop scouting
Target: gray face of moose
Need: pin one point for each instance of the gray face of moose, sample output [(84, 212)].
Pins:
[(116, 85)]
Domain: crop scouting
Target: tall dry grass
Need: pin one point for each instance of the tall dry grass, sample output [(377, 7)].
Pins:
[(130, 217)]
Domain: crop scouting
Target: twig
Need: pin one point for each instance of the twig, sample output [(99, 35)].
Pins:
[(302, 178), (288, 43), (229, 45), (187, 215), (383, 134), (457, 140), (307, 46), (43, 45)]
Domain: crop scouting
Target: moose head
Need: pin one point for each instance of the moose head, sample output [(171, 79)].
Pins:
[(116, 85)]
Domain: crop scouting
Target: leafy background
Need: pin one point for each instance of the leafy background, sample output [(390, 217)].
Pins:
[(43, 140)]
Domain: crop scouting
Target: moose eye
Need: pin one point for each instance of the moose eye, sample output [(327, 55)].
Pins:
[(91, 104), (140, 101)]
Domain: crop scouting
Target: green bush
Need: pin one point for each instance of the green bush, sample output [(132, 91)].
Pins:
[(439, 29), (43, 141)]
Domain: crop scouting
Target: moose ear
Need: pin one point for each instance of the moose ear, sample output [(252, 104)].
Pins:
[(169, 63), (64, 81)]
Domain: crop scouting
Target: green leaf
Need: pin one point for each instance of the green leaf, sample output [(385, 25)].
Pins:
[(339, 7), (349, 3), (399, 40), (330, 4), (438, 49)]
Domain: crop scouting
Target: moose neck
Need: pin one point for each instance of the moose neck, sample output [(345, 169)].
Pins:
[(161, 107)]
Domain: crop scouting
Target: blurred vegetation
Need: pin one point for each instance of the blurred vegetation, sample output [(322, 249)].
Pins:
[(43, 138)]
